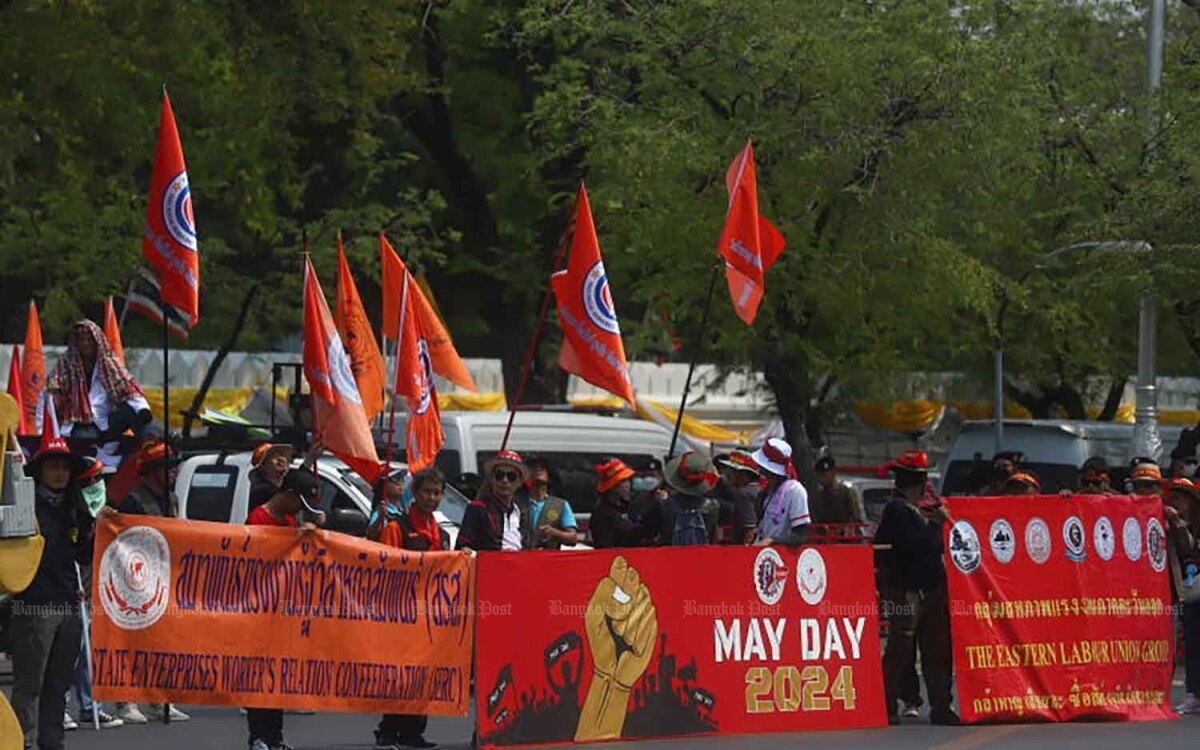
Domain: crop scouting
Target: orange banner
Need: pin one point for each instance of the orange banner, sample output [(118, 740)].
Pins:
[(206, 613)]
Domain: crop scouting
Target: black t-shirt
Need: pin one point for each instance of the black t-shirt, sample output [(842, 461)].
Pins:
[(611, 526), (915, 562), (68, 536)]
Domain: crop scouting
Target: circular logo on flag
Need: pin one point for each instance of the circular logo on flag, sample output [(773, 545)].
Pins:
[(177, 212), (1103, 538), (811, 578), (339, 371), (426, 377), (1037, 540), (1004, 543), (135, 577), (964, 547), (770, 576), (1131, 539), (1072, 532), (1156, 545), (597, 299)]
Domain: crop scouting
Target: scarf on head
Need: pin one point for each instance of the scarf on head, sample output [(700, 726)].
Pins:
[(72, 386)]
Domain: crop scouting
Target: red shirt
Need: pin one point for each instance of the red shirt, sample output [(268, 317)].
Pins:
[(260, 517)]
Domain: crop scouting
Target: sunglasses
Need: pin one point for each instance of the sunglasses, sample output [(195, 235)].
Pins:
[(506, 476)]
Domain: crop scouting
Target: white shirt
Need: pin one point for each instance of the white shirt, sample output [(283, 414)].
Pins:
[(107, 453), (784, 510), (511, 541)]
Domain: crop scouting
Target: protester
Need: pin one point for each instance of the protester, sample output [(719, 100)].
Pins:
[(919, 611), (551, 519), (1182, 513), (92, 493), (46, 630), (785, 517), (688, 516), (835, 502), (152, 496), (1145, 477), (649, 491), (1094, 477), (611, 525), (1022, 483), (416, 530), (494, 521), (266, 724), (1183, 456), (739, 486), (1004, 465), (389, 502), (95, 396), (270, 462)]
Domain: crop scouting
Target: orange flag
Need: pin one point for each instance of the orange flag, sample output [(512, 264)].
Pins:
[(442, 353), (112, 331), (749, 243), (339, 420), (414, 381), (169, 243), (366, 361), (33, 368), (592, 347), (14, 389)]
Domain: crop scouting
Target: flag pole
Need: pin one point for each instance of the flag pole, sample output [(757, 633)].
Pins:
[(699, 344), (166, 490), (527, 365)]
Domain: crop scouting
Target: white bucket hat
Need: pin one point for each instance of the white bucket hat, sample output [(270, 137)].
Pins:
[(774, 456)]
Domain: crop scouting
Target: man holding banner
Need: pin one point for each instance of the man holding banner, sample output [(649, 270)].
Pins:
[(920, 608)]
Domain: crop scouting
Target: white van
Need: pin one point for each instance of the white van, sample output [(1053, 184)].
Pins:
[(1054, 450), (573, 443)]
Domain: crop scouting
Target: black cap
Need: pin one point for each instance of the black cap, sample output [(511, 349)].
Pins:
[(1095, 463), (301, 481), (534, 462), (650, 464), (825, 463), (1015, 456)]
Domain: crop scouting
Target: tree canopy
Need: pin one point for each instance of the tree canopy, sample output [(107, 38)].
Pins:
[(923, 159)]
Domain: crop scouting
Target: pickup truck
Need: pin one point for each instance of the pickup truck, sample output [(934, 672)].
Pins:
[(216, 487)]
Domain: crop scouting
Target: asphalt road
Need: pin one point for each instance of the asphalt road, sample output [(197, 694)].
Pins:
[(221, 727)]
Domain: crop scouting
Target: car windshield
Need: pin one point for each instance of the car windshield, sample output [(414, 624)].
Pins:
[(357, 482)]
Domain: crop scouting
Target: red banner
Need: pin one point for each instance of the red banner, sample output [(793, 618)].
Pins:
[(640, 643), (1060, 608), (194, 612)]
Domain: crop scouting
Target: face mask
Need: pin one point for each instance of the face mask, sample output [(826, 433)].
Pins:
[(94, 497), (643, 484), (1189, 469)]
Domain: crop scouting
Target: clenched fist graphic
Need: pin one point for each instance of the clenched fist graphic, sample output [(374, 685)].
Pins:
[(622, 628)]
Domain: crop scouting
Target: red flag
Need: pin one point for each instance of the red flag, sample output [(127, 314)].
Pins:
[(592, 347), (112, 331), (442, 353), (366, 361), (749, 243), (14, 389), (414, 381), (33, 368), (170, 240), (339, 421)]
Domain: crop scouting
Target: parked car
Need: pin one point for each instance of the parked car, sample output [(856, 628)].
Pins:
[(1054, 450), (216, 487)]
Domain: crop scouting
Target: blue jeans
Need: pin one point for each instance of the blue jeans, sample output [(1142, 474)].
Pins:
[(83, 685)]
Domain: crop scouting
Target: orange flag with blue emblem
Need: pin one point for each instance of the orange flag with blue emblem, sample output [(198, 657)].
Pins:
[(339, 420), (414, 381), (592, 346)]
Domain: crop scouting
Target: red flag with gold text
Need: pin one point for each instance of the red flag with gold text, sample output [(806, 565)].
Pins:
[(14, 389)]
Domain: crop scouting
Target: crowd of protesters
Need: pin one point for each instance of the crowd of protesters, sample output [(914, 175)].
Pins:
[(747, 498)]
